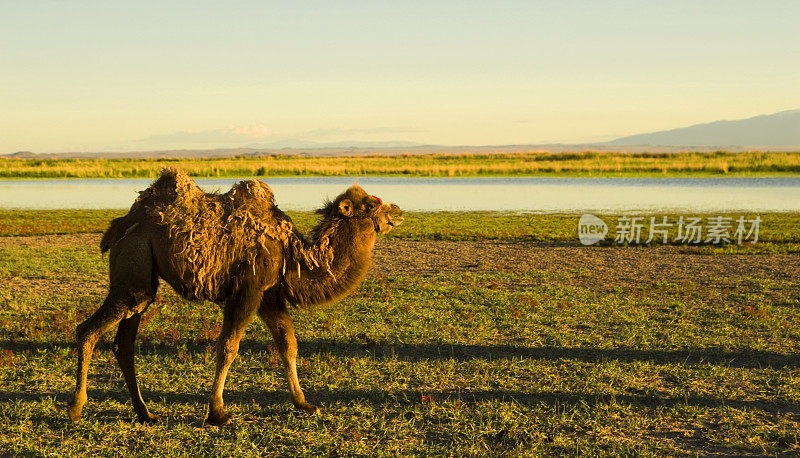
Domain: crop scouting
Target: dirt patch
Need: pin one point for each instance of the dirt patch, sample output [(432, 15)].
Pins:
[(599, 267), (47, 287), (594, 266), (69, 241)]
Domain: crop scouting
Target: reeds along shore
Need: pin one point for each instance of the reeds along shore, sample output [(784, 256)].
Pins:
[(428, 165)]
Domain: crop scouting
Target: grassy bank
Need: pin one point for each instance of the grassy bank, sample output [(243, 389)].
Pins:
[(588, 164), (545, 357), (779, 232)]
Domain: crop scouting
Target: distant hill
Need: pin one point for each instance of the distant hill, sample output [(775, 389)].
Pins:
[(296, 143), (779, 129), (775, 132)]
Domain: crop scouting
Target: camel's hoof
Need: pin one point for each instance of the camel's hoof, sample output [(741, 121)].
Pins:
[(74, 411), (310, 409), (149, 418), (219, 420)]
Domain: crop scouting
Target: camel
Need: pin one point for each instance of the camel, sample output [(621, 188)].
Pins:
[(237, 250)]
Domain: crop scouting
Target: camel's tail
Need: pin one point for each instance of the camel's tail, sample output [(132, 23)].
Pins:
[(117, 230)]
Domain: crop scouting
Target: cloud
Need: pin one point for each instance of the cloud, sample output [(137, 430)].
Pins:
[(349, 132), (234, 136), (207, 137), (257, 131)]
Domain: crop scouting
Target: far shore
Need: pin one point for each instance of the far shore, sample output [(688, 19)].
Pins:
[(590, 164)]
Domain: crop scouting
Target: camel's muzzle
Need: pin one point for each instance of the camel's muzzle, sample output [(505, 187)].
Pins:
[(395, 216), (387, 217)]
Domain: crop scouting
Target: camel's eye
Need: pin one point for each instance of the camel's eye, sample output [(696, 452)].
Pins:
[(372, 202)]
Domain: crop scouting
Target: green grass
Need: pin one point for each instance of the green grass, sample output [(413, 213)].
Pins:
[(780, 232), (40, 222), (586, 164), (468, 363)]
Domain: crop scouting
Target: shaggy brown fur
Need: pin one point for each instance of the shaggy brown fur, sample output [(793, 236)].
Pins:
[(236, 249)]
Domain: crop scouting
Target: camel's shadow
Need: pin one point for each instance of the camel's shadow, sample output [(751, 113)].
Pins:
[(463, 352), (755, 359)]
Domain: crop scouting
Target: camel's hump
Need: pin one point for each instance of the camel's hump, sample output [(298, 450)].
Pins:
[(175, 182), (251, 189)]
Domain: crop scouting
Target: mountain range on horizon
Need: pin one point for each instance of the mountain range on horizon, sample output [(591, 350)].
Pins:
[(777, 129), (299, 143)]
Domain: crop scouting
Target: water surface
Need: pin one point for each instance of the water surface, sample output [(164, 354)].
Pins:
[(539, 194)]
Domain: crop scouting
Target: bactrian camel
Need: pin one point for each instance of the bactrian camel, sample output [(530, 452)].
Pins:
[(237, 250)]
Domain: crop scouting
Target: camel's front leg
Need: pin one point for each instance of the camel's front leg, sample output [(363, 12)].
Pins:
[(280, 325), (236, 318)]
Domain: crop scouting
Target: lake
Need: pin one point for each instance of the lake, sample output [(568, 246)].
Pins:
[(535, 194)]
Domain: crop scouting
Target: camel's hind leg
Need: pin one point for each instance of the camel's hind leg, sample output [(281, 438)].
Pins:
[(123, 350), (86, 336), (132, 287), (279, 322)]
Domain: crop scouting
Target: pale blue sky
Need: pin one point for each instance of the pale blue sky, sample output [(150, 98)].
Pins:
[(98, 76)]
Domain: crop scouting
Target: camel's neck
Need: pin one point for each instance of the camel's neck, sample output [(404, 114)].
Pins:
[(351, 250)]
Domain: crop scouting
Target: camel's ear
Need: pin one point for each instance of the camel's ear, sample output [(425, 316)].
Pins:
[(346, 207), (356, 187)]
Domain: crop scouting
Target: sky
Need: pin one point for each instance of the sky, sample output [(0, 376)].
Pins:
[(128, 76)]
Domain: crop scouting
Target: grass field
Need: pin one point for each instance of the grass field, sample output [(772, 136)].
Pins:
[(780, 232), (778, 227), (506, 339), (589, 164)]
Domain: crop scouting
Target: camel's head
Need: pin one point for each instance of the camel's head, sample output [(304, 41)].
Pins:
[(356, 204)]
